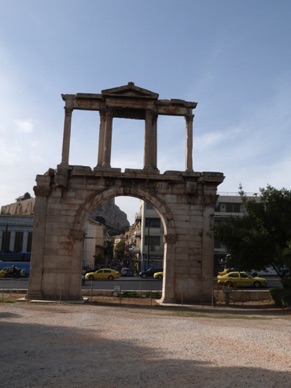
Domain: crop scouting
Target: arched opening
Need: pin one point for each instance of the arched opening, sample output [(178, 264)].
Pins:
[(140, 240), (156, 221)]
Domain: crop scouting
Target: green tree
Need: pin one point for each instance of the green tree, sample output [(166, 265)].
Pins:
[(262, 237), (119, 248)]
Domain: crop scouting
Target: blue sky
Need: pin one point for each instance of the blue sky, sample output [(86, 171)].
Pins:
[(233, 57)]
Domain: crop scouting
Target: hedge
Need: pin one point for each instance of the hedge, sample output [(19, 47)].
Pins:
[(281, 296)]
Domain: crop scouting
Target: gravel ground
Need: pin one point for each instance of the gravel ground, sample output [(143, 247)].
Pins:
[(69, 345)]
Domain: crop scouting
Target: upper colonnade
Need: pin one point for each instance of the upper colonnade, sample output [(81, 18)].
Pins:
[(131, 102)]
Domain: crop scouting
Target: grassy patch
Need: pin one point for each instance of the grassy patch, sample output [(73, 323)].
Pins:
[(5, 300)]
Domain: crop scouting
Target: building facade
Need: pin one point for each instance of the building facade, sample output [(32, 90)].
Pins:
[(152, 238), (16, 233), (145, 236), (227, 206), (95, 241), (16, 222)]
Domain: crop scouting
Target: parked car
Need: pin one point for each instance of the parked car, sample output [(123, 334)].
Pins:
[(103, 274), (150, 272), (240, 279), (158, 275), (127, 272)]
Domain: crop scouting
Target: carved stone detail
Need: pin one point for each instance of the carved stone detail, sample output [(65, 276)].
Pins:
[(41, 191), (170, 238), (77, 235), (210, 199), (61, 177)]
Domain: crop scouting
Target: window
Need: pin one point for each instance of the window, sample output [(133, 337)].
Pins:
[(228, 207), (152, 222), (218, 244), (234, 275), (29, 242), (152, 240), (233, 207), (18, 241), (5, 241)]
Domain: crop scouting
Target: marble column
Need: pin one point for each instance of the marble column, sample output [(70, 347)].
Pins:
[(189, 142), (24, 241), (66, 137), (150, 143), (101, 145), (12, 241), (154, 141), (107, 140)]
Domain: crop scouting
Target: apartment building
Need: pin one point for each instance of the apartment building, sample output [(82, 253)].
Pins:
[(144, 239)]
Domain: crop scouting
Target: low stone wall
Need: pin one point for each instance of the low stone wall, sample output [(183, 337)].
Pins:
[(235, 296), (241, 296)]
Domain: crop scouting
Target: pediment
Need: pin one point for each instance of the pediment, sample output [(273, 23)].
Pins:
[(130, 90)]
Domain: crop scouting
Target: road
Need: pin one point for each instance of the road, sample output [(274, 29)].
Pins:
[(128, 284)]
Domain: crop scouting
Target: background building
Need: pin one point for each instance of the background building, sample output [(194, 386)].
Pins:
[(16, 222), (95, 242), (227, 206), (143, 241)]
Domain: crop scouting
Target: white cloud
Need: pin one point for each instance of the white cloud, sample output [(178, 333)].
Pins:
[(23, 126), (216, 138)]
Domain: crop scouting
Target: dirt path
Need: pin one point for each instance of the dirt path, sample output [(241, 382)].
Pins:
[(65, 345)]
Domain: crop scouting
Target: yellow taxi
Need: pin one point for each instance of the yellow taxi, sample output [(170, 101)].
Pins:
[(158, 275), (102, 274), (240, 279)]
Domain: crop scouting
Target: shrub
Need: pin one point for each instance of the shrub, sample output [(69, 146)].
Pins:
[(281, 297), (286, 283), (153, 295), (130, 294)]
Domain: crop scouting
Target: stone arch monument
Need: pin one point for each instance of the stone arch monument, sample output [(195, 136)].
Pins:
[(65, 197)]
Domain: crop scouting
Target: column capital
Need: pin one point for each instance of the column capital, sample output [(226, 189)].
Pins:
[(189, 117), (102, 114), (68, 111), (109, 113)]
